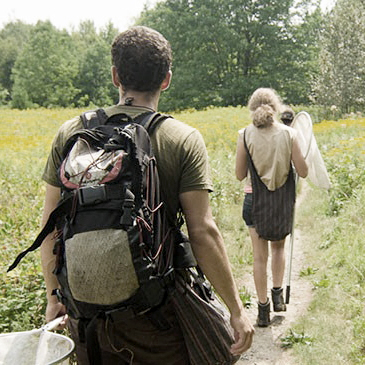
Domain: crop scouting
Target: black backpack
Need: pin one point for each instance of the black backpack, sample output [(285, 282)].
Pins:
[(115, 246)]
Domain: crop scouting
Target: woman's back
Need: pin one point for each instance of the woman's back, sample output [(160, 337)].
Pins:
[(270, 148)]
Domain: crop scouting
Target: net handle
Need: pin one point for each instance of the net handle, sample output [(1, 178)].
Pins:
[(53, 324)]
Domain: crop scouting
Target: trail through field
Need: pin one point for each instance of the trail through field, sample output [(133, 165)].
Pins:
[(266, 348)]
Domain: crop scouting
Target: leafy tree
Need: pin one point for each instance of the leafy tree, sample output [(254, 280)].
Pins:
[(299, 66), (342, 62), (12, 39), (223, 50), (44, 71), (94, 77)]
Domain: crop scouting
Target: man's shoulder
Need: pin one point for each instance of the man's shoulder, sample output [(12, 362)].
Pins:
[(179, 134), (74, 123), (68, 128), (175, 124)]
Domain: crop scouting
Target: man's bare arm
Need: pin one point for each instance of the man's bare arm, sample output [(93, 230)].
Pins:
[(54, 308), (211, 255)]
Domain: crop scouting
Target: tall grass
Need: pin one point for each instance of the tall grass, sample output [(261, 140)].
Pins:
[(335, 244), (25, 138), (333, 229)]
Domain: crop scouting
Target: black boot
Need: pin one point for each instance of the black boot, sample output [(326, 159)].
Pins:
[(263, 319), (278, 300)]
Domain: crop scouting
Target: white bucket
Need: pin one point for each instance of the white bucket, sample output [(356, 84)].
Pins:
[(36, 347)]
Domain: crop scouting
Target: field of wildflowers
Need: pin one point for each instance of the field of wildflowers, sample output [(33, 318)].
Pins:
[(332, 226), (343, 147), (25, 141)]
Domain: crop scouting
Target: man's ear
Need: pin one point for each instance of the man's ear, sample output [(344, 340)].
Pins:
[(115, 77), (166, 82)]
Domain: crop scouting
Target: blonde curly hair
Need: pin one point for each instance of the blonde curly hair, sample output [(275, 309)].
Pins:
[(263, 116), (264, 104)]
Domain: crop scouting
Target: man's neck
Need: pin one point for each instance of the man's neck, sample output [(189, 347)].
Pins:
[(139, 99)]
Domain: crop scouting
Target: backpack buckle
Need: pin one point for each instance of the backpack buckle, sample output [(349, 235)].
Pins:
[(90, 195)]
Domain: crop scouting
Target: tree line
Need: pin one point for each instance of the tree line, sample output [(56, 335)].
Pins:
[(223, 51)]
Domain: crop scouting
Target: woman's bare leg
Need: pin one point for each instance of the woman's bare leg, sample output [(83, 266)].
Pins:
[(278, 268), (278, 262), (260, 257)]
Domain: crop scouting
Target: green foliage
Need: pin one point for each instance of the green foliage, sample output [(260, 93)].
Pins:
[(224, 50), (341, 80), (4, 95), (45, 69), (343, 153), (322, 283), (358, 346), (334, 325), (335, 245), (349, 178), (23, 294), (23, 301), (294, 338), (246, 298), (308, 271), (94, 77), (41, 66), (25, 141), (12, 39)]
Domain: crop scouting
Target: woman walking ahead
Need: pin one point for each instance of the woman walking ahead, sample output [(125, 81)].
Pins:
[(266, 150)]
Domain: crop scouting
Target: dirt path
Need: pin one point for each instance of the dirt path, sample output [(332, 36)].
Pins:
[(266, 348)]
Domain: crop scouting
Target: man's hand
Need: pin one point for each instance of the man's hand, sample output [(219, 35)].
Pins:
[(243, 333), (55, 310)]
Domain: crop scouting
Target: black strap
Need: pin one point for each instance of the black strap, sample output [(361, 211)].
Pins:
[(250, 161), (153, 120), (47, 229), (149, 120)]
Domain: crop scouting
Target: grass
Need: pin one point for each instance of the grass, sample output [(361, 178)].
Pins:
[(332, 226), (335, 319), (295, 338), (334, 234), (25, 141)]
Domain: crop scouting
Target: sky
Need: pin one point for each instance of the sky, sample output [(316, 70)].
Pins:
[(69, 13)]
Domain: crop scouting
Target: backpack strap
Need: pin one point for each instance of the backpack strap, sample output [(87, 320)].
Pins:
[(93, 118), (49, 227), (150, 120)]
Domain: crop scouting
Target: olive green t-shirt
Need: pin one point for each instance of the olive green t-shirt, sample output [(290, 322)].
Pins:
[(180, 152)]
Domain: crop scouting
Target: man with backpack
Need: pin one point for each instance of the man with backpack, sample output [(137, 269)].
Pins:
[(141, 71)]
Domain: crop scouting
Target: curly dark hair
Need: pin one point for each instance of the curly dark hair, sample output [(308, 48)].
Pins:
[(142, 57)]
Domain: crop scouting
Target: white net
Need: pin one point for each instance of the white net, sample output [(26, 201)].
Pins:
[(37, 347), (302, 123), (317, 172)]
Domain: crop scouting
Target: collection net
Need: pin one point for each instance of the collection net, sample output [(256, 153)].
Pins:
[(36, 347)]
